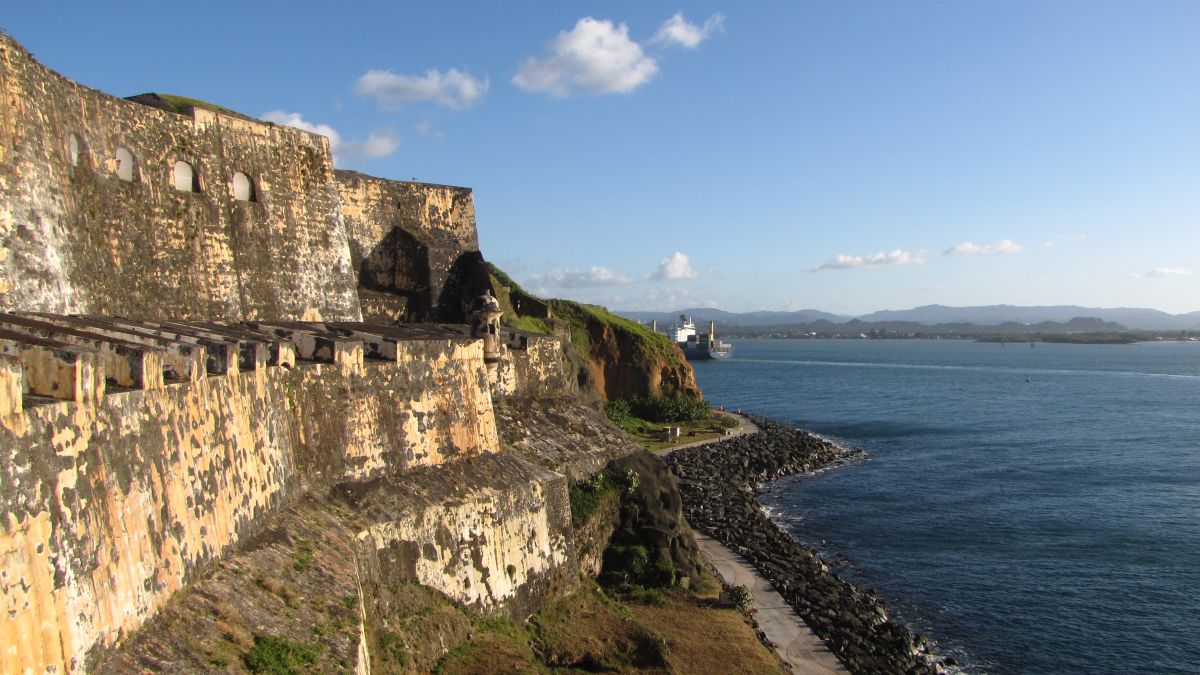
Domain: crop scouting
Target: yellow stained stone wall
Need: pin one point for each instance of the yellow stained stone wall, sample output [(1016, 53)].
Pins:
[(110, 508), (492, 533), (540, 368)]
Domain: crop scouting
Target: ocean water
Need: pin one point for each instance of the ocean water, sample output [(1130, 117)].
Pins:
[(1033, 509)]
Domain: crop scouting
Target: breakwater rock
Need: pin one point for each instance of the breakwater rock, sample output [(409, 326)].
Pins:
[(719, 484)]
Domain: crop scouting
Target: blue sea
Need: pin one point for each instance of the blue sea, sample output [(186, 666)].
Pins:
[(1032, 509)]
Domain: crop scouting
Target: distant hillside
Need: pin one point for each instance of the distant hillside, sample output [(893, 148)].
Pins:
[(992, 315), (761, 318), (1054, 317)]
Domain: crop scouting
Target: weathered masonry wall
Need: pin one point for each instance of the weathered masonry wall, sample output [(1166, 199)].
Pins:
[(533, 364), (111, 502), (561, 433), (491, 533), (407, 240), (92, 220)]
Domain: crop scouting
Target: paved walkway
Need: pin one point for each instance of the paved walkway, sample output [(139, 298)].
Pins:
[(795, 642), (745, 426)]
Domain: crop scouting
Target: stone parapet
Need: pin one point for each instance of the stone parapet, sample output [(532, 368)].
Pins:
[(113, 501)]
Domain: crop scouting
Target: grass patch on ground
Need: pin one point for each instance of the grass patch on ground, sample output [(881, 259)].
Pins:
[(650, 435), (498, 645), (702, 638), (278, 656), (669, 630), (590, 631)]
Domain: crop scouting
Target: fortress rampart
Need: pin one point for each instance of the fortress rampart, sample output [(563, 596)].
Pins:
[(114, 501), (407, 240), (194, 413), (92, 219)]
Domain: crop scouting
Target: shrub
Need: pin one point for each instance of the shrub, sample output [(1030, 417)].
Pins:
[(278, 656), (619, 411), (669, 408), (741, 597), (585, 496)]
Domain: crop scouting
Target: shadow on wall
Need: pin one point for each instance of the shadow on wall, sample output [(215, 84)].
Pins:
[(399, 264), (467, 280)]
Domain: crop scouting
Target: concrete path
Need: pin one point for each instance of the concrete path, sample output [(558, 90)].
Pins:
[(796, 644), (745, 426)]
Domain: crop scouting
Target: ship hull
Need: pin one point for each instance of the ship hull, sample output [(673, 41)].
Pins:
[(694, 354)]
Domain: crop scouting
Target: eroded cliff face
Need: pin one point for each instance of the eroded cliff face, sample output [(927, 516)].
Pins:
[(610, 357), (620, 366)]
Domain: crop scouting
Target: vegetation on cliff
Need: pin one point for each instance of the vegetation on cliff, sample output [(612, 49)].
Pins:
[(654, 607), (591, 630), (621, 358), (182, 105)]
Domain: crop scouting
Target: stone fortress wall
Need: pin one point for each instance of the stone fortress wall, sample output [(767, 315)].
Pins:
[(407, 240), (183, 360), (94, 220)]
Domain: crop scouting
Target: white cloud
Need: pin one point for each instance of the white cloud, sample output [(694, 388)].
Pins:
[(968, 248), (881, 259), (674, 266), (1168, 273), (568, 278), (659, 298), (298, 121), (377, 145), (452, 89), (373, 147), (678, 31), (595, 56)]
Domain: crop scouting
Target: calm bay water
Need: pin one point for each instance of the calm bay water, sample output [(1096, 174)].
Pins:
[(1035, 510)]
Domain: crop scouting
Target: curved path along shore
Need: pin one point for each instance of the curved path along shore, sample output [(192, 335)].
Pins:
[(794, 641), (745, 426)]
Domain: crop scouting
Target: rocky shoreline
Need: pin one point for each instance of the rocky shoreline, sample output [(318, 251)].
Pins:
[(719, 484)]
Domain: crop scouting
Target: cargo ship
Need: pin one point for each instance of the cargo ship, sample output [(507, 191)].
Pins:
[(701, 346)]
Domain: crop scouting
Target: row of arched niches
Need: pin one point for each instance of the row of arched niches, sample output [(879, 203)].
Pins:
[(183, 177)]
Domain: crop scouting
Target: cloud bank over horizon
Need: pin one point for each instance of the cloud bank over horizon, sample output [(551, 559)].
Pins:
[(573, 278), (894, 257), (1004, 246)]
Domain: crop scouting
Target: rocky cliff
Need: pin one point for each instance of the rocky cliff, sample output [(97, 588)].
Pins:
[(613, 357)]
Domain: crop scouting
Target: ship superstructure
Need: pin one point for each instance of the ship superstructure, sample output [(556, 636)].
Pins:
[(699, 346)]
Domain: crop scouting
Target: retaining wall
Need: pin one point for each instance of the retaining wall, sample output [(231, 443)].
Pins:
[(110, 507)]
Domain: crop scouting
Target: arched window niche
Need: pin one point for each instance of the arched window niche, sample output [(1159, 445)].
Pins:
[(125, 164), (184, 177), (243, 188)]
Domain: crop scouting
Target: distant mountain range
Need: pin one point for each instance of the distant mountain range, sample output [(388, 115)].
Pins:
[(1131, 318), (740, 319)]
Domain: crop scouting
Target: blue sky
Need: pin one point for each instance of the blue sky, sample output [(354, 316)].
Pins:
[(844, 156)]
